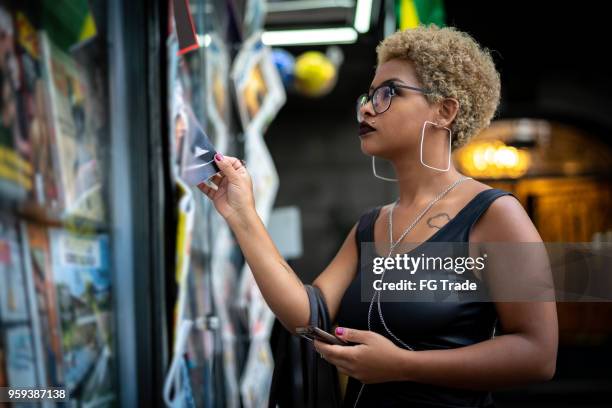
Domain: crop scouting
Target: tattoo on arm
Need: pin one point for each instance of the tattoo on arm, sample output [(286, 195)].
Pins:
[(438, 220)]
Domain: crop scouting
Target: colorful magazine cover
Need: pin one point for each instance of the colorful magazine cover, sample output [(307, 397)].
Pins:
[(80, 266), (32, 118), (41, 272), (15, 168), (13, 291), (74, 154)]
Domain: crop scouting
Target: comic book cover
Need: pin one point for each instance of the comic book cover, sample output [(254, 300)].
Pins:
[(74, 153), (80, 265), (39, 267), (32, 118), (15, 169), (13, 299)]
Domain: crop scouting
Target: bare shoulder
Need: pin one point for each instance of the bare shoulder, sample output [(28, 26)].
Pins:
[(505, 220)]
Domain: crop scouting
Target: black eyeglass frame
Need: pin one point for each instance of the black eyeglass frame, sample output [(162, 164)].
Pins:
[(392, 87)]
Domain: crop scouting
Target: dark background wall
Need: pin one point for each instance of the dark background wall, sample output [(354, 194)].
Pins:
[(316, 149)]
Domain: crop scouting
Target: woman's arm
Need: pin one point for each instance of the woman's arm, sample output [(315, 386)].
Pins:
[(280, 286)]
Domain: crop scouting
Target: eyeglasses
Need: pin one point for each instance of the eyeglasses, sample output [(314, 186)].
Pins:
[(381, 98)]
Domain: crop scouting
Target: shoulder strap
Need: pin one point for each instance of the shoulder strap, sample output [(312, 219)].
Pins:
[(483, 202), (365, 228), (319, 316), (314, 305), (319, 313)]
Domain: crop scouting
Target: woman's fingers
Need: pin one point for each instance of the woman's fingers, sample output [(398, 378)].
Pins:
[(227, 167), (333, 353), (217, 178), (330, 354), (237, 163), (206, 189)]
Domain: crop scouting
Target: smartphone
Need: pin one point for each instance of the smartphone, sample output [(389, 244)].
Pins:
[(313, 332)]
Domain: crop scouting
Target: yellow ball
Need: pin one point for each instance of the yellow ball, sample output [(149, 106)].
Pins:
[(314, 73)]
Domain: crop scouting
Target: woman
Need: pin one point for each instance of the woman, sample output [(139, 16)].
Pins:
[(431, 85)]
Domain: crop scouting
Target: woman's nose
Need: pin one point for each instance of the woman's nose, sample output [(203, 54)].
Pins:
[(366, 110)]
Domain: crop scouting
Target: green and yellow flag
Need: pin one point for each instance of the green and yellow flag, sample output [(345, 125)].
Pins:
[(411, 13)]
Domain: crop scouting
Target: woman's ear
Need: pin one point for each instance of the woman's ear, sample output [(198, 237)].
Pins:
[(447, 111)]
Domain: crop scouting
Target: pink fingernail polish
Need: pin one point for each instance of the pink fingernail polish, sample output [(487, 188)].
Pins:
[(218, 157), (339, 331)]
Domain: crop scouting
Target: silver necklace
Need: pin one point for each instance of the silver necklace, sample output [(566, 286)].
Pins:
[(392, 246)]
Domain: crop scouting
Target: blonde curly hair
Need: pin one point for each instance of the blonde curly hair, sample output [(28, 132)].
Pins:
[(450, 63)]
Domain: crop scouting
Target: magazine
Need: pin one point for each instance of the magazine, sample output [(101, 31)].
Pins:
[(74, 155), (47, 318), (13, 299), (15, 168), (32, 118), (80, 265)]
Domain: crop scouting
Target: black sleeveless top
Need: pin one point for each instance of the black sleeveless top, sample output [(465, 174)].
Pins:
[(422, 325)]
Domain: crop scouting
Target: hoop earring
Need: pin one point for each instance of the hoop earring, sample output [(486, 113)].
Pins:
[(450, 134), (376, 175)]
